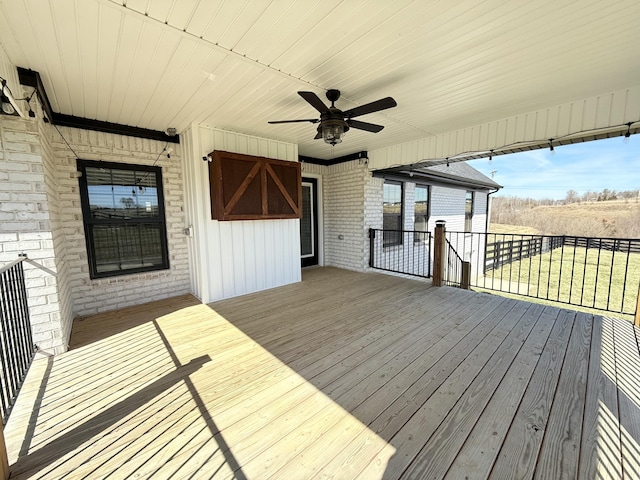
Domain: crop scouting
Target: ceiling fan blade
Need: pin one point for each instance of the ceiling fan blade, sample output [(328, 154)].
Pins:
[(376, 106), (315, 101), (311, 120), (369, 127)]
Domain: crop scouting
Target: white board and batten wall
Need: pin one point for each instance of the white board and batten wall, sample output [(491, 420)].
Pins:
[(231, 258)]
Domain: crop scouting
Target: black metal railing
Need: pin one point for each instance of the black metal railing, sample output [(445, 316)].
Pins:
[(400, 251), (16, 340), (452, 273), (598, 273)]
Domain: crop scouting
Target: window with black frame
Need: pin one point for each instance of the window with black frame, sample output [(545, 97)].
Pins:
[(421, 213), (468, 211), (124, 219), (392, 214)]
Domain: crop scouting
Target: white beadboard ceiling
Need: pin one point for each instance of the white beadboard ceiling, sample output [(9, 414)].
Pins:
[(236, 64)]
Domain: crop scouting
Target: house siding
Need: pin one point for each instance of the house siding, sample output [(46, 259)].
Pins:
[(234, 258)]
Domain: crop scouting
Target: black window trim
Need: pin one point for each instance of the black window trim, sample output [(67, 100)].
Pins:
[(88, 222)]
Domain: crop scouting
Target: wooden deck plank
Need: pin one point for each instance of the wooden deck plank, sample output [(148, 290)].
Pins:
[(478, 454), (343, 384), (627, 363), (600, 452), (381, 397), (519, 452), (435, 458), (344, 375), (386, 374), (434, 405), (560, 450)]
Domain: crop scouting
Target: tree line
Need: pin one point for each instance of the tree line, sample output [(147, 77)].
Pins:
[(603, 196), (592, 214)]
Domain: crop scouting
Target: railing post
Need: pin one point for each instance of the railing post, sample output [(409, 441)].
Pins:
[(438, 253), (465, 282), (372, 241)]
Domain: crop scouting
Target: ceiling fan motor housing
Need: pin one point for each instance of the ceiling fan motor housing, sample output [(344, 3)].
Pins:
[(333, 95)]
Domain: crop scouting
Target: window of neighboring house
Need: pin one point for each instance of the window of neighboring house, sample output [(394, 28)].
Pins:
[(421, 212), (468, 211), (392, 214), (124, 221)]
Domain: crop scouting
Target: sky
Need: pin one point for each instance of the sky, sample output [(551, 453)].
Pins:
[(594, 166)]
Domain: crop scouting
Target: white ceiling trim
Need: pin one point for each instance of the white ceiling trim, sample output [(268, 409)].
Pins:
[(606, 114)]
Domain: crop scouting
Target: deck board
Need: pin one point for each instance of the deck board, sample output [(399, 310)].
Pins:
[(344, 375)]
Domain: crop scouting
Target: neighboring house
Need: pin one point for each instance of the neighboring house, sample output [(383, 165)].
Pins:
[(414, 199)]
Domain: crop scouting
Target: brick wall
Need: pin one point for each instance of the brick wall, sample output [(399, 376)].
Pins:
[(344, 239), (28, 208), (91, 296), (40, 215)]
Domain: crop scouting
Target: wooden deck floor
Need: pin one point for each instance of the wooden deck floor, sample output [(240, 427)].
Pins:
[(342, 376)]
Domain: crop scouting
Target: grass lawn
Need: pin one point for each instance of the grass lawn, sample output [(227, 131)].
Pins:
[(573, 275)]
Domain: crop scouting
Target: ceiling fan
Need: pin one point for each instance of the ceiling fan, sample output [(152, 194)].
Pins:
[(334, 123)]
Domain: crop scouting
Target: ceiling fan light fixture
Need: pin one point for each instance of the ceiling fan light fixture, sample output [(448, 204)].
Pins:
[(333, 131)]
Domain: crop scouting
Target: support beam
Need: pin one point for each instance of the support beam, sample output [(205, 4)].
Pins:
[(465, 282), (438, 253)]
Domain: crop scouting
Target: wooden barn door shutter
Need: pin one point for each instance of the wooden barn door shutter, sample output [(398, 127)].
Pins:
[(244, 187)]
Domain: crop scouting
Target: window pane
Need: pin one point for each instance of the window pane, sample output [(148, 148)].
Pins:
[(123, 215), (121, 194), (392, 213), (468, 211), (422, 200), (127, 247), (392, 194)]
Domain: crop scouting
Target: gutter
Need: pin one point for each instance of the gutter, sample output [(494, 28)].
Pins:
[(486, 226)]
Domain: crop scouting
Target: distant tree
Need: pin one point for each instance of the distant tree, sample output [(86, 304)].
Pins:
[(572, 197), (127, 202)]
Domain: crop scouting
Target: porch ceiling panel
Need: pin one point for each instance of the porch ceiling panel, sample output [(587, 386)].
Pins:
[(238, 64)]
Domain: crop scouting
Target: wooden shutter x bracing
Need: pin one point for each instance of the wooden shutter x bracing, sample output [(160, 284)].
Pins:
[(244, 187)]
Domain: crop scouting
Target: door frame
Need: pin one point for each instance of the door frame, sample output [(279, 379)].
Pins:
[(318, 203)]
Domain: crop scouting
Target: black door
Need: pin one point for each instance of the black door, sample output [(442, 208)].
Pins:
[(309, 222)]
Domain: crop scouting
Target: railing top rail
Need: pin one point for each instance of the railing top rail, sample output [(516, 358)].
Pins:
[(396, 230), (634, 240), (12, 264)]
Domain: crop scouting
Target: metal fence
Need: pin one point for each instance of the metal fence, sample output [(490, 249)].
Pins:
[(16, 341), (400, 251), (598, 273), (452, 273)]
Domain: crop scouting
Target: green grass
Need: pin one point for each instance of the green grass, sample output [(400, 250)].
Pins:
[(576, 276)]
